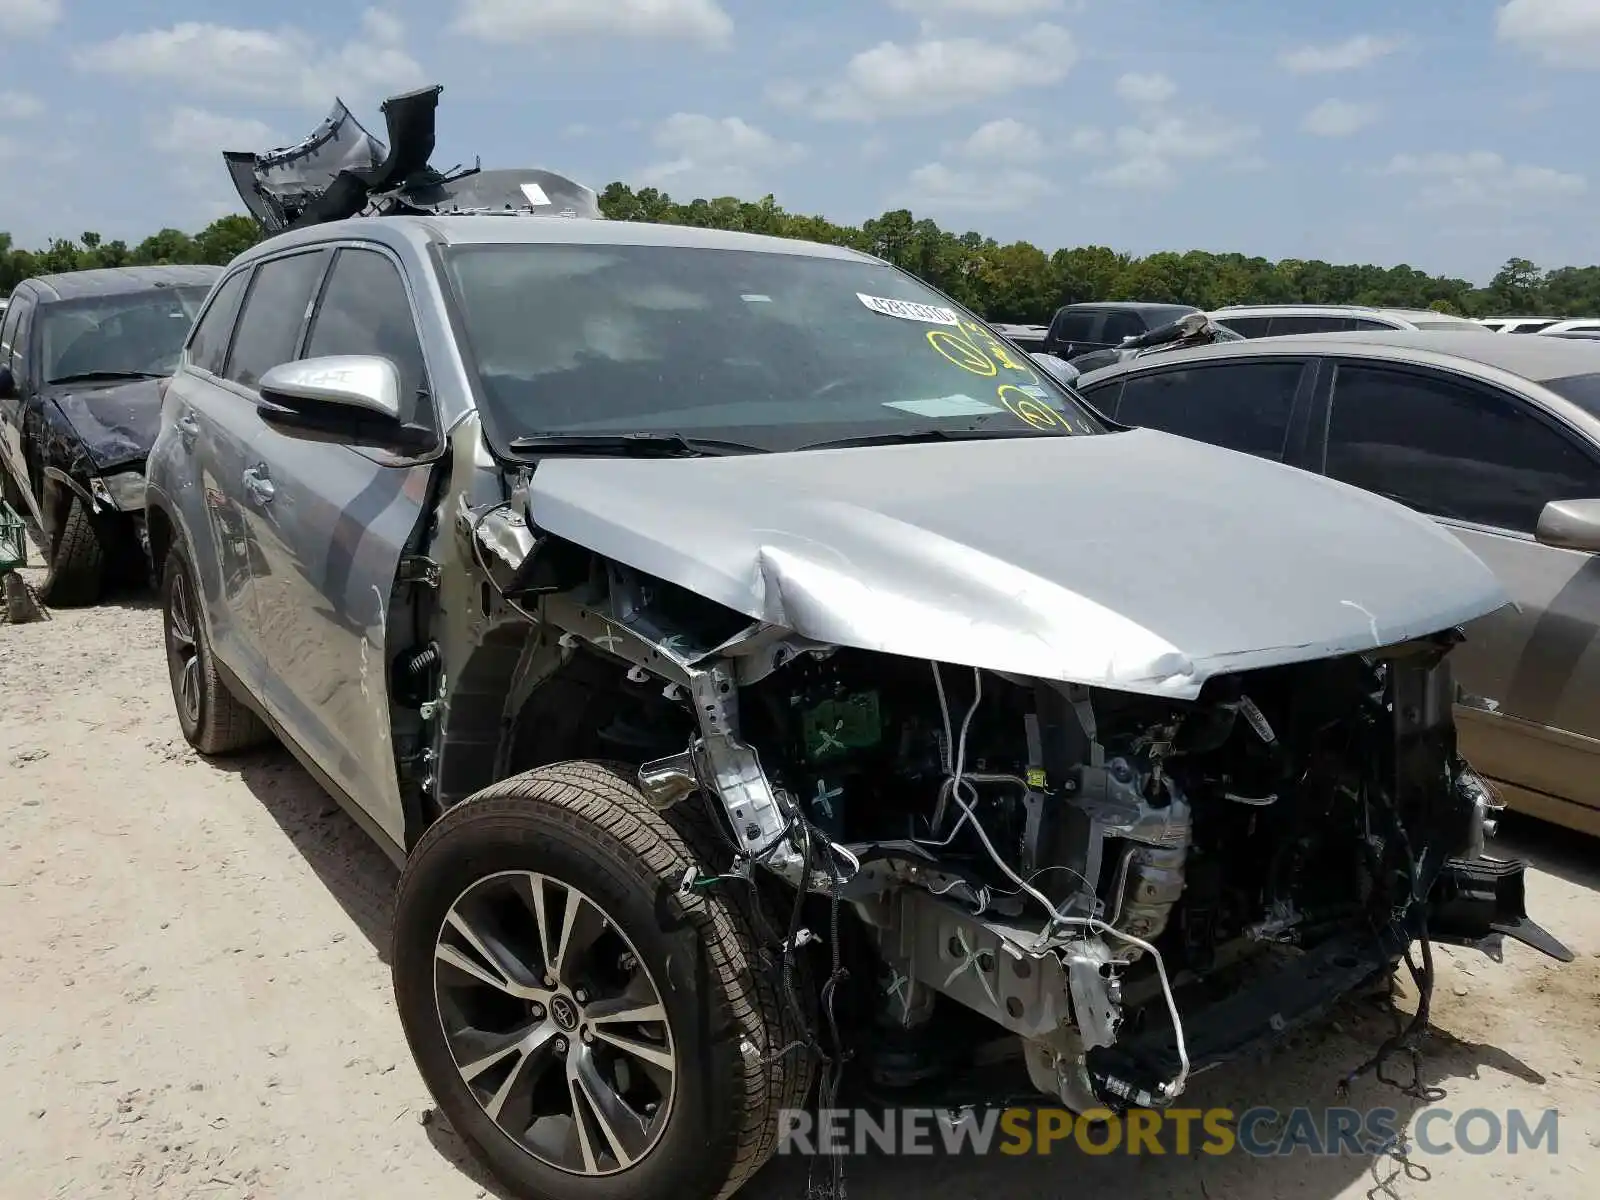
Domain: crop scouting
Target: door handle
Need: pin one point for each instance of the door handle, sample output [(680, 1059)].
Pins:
[(258, 486), (188, 428)]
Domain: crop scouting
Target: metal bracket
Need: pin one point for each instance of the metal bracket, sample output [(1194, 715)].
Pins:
[(414, 568)]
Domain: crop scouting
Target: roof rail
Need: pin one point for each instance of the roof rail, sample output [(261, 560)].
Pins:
[(340, 170)]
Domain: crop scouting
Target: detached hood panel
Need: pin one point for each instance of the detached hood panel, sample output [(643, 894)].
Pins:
[(117, 425), (1137, 561)]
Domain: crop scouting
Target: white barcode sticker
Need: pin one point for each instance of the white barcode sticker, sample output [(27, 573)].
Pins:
[(909, 311)]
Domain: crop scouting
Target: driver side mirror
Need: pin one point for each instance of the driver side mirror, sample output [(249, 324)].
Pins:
[(351, 398), (8, 384), (1058, 369), (1570, 525)]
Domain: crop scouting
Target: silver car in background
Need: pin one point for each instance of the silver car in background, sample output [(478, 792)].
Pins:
[(1496, 437), (1278, 320)]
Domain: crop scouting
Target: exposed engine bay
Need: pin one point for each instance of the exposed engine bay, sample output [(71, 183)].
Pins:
[(1132, 888)]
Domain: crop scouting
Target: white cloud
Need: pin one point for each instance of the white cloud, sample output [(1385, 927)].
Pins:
[(1340, 118), (720, 156), (28, 16), (18, 106), (1088, 141), (1148, 154), (1145, 89), (1484, 178), (1565, 33), (935, 75), (1144, 174), (281, 65), (939, 186), (985, 8), (997, 141), (529, 20), (1348, 55), (205, 134)]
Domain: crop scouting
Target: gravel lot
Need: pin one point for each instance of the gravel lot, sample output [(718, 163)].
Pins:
[(196, 1000)]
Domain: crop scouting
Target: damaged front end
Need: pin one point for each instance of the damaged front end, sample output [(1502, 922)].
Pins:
[(1102, 890)]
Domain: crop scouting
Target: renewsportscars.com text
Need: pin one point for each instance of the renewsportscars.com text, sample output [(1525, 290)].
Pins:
[(1258, 1132)]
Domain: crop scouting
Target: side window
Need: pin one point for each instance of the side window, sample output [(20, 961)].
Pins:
[(1120, 325), (1103, 396), (8, 328), (1248, 327), (1368, 323), (208, 344), (1074, 326), (19, 318), (274, 313), (1282, 326), (1450, 449), (364, 310), (1243, 406)]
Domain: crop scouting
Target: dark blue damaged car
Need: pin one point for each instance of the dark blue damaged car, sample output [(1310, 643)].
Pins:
[(82, 356)]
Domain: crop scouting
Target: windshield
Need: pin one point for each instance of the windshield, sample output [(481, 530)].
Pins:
[(133, 334), (773, 350)]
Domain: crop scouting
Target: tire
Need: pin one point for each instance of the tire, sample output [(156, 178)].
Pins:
[(213, 719), (76, 553), (585, 828)]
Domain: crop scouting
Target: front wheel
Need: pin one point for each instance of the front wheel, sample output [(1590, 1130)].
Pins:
[(76, 548), (589, 1031)]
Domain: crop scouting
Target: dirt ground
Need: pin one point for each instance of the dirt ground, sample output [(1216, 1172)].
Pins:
[(196, 1001)]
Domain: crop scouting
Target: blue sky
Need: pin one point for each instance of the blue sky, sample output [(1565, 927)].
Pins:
[(1449, 134)]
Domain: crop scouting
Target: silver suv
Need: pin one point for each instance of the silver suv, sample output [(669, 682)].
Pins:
[(763, 673)]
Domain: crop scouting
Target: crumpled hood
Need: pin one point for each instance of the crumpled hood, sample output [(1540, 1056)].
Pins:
[(1138, 561), (116, 423)]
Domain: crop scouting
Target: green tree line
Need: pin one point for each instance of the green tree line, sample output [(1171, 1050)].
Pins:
[(1006, 282)]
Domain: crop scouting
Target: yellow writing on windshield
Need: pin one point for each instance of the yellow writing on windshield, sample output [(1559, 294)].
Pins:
[(962, 351), (1030, 409)]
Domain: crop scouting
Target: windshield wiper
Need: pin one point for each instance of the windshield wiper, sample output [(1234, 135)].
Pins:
[(91, 376), (911, 436), (635, 445)]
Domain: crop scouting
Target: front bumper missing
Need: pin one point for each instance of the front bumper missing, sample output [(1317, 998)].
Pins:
[(1473, 903)]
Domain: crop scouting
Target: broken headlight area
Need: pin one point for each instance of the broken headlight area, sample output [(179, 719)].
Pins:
[(122, 491)]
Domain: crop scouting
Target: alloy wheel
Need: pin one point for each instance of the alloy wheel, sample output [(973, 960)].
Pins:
[(183, 650), (555, 1024)]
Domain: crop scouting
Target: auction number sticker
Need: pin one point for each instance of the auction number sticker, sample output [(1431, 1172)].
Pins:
[(907, 310)]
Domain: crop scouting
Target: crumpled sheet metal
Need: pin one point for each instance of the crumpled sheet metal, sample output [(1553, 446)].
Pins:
[(115, 426), (1136, 561)]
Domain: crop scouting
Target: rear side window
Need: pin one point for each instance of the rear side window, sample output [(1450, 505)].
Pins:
[(19, 323), (208, 345), (1450, 449), (1074, 326), (1121, 325), (274, 313), (1283, 326), (1243, 406), (8, 329), (364, 310), (1249, 327)]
